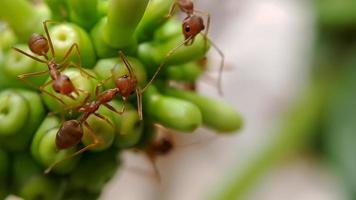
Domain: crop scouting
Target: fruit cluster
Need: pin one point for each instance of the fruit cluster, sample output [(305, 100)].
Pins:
[(33, 107)]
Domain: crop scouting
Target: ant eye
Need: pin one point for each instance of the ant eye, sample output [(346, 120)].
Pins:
[(187, 28)]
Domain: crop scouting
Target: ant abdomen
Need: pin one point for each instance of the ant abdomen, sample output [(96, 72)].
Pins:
[(69, 134), (38, 44)]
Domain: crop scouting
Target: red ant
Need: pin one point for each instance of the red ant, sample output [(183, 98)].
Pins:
[(193, 25), (40, 45), (71, 132)]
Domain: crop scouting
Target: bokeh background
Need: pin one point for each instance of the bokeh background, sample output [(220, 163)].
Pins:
[(291, 72)]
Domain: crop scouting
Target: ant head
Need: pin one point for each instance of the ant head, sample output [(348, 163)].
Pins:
[(192, 26), (187, 6), (38, 44), (126, 85), (69, 134), (63, 85)]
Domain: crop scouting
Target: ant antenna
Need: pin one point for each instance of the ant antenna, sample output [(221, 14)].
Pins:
[(169, 54), (222, 63)]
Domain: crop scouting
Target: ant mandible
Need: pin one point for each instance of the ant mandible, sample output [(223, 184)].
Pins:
[(71, 132), (40, 45), (193, 25)]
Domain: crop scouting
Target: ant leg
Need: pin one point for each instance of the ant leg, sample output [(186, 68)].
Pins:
[(139, 103), (78, 66), (82, 70), (92, 145), (87, 96), (110, 107), (45, 26), (41, 88), (70, 96), (120, 112), (97, 88), (104, 118), (221, 64), (171, 10), (34, 74), (151, 159), (70, 50), (127, 63), (29, 55), (207, 25), (169, 54)]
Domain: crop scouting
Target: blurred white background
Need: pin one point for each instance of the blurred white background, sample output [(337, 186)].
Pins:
[(268, 43)]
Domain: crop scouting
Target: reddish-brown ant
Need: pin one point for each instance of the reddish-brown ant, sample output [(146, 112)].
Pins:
[(71, 132), (193, 25), (40, 45)]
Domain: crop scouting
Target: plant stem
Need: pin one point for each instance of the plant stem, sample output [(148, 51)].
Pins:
[(123, 18), (21, 17)]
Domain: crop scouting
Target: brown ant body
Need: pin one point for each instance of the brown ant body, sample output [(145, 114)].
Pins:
[(71, 132), (192, 26), (40, 45)]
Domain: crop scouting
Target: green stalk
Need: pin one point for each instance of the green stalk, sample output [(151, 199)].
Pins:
[(40, 187), (83, 12), (7, 37), (102, 49), (129, 127), (123, 18), (103, 7), (103, 69), (22, 112), (16, 64), (300, 126), (80, 81), (216, 114), (171, 112), (65, 35), (31, 184), (59, 9), (189, 72), (92, 177), (4, 166), (47, 124), (14, 112), (172, 28), (153, 18), (21, 17), (153, 53)]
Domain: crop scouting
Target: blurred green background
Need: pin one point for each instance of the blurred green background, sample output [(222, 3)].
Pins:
[(321, 123)]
